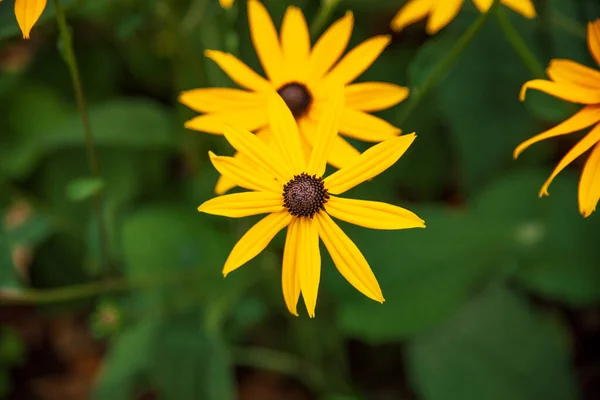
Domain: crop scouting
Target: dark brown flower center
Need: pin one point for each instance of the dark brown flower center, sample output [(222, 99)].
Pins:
[(297, 97), (305, 195)]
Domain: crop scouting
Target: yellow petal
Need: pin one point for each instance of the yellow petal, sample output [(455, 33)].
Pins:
[(28, 12), (572, 93), (589, 189), (585, 117), (226, 3), (413, 11), (330, 47), (285, 134), (523, 7), (290, 280), (483, 5), (266, 42), (295, 42), (348, 259), (370, 164), (255, 240), (242, 172), (357, 61), (327, 130), (366, 127), (214, 122), (594, 39), (239, 72), (221, 99), (309, 262), (441, 15), (584, 145), (572, 73), (374, 96), (372, 214), (342, 152), (238, 205)]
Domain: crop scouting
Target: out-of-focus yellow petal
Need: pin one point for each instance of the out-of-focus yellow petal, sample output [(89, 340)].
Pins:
[(28, 12), (286, 134), (370, 164), (584, 145), (585, 117), (366, 127), (593, 30), (239, 72), (412, 12), (572, 73), (255, 240), (572, 93), (238, 205), (221, 99), (374, 96), (242, 172), (290, 280), (348, 259), (226, 3), (295, 42), (330, 47), (589, 187), (309, 262), (483, 5), (372, 214), (523, 7), (442, 14), (214, 123)]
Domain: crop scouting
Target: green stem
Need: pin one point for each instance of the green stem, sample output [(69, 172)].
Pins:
[(327, 8), (71, 61), (441, 69), (518, 44), (567, 24)]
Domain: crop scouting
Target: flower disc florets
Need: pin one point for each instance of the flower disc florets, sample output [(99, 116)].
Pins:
[(305, 195), (296, 97)]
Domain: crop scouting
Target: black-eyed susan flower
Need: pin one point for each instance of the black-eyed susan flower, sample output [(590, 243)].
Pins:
[(289, 187), (441, 12), (301, 75), (579, 84), (27, 13)]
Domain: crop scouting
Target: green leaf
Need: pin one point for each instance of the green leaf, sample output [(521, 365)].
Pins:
[(496, 347), (84, 188)]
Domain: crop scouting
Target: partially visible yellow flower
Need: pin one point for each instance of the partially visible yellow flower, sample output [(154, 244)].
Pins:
[(226, 3), (579, 84), (27, 13), (302, 76), (441, 12), (288, 186)]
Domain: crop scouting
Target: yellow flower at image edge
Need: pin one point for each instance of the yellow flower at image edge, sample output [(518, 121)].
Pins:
[(302, 76), (579, 84), (290, 188), (27, 13), (441, 12)]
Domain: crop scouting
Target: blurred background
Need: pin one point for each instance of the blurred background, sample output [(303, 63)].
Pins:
[(498, 298)]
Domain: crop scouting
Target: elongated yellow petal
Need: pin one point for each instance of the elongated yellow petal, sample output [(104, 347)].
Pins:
[(483, 5), (348, 259), (257, 151), (441, 15), (226, 3), (593, 30), (266, 42), (374, 96), (572, 73), (370, 164), (295, 42), (523, 7), (357, 61), (366, 127), (290, 280), (412, 12), (221, 99), (238, 205), (330, 47), (286, 134), (28, 12), (255, 240), (215, 122), (589, 189), (372, 214), (342, 152), (309, 263), (245, 173), (572, 93), (327, 130), (585, 117), (239, 72), (584, 145)]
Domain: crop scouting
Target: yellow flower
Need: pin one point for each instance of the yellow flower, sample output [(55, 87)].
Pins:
[(441, 12), (579, 84), (287, 186), (27, 13), (302, 76), (226, 3)]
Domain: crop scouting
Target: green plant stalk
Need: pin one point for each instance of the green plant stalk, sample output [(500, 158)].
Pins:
[(327, 8), (519, 45), (71, 61), (568, 25), (441, 69)]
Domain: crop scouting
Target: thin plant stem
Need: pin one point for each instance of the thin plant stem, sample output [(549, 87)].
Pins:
[(567, 24), (327, 8), (71, 61), (519, 45)]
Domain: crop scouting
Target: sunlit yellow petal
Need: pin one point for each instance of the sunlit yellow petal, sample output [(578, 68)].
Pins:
[(589, 184), (290, 280), (585, 117), (372, 214), (348, 259), (226, 3), (285, 134), (483, 5), (309, 263), (239, 72), (238, 205), (523, 7), (572, 73), (584, 145), (442, 14), (28, 12), (266, 42), (295, 42), (242, 172), (255, 240), (221, 99), (366, 127), (572, 93), (251, 120), (342, 153), (594, 39), (413, 11), (370, 163), (330, 47), (374, 96)]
